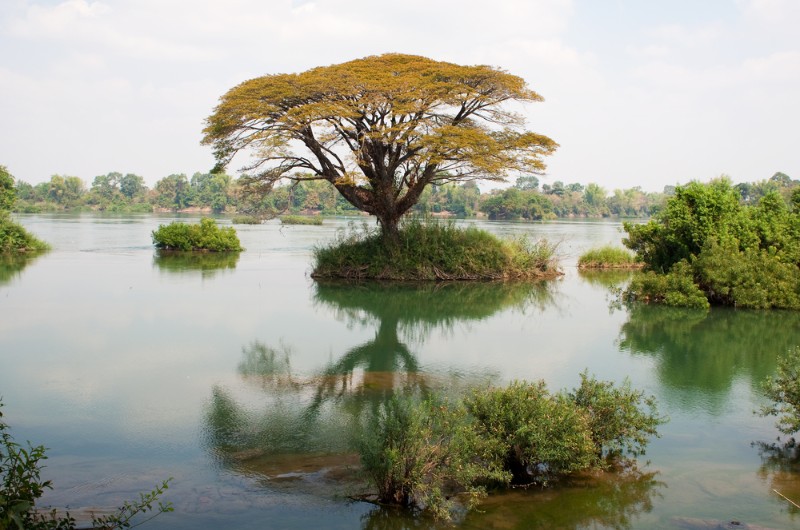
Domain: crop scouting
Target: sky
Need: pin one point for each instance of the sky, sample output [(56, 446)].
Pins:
[(642, 93)]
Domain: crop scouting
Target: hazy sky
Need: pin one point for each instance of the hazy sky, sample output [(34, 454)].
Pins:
[(637, 92)]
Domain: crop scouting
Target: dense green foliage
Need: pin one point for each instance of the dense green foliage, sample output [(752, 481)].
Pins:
[(784, 390), (13, 237), (8, 195), (608, 258), (543, 436), (434, 251), (423, 454), (707, 243), (419, 454), (203, 236), (22, 487)]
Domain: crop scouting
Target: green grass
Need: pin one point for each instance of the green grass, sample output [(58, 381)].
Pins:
[(434, 251), (301, 220), (608, 257), (14, 238)]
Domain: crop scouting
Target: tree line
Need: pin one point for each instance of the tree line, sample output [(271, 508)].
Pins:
[(527, 199)]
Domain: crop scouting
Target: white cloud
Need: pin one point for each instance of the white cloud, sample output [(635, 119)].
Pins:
[(95, 86)]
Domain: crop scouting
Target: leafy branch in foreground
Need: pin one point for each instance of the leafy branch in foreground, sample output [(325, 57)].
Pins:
[(22, 486), (784, 390)]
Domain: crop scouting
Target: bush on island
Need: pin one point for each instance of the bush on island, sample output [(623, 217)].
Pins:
[(203, 236), (429, 250)]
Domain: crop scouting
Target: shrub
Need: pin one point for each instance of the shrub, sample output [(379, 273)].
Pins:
[(419, 454), (676, 288), (245, 220), (608, 258), (706, 242), (543, 436), (204, 236), (22, 486), (620, 419), (784, 390), (301, 220), (14, 238), (752, 278), (434, 251)]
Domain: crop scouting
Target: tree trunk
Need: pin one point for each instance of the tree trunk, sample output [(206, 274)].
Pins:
[(390, 228)]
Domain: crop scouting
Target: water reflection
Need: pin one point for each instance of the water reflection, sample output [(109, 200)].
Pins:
[(207, 263), (12, 265), (608, 278), (323, 412), (780, 470), (699, 355), (606, 501)]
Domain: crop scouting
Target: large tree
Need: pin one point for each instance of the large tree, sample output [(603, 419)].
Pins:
[(379, 129)]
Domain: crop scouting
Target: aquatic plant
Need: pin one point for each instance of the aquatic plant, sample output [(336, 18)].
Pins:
[(608, 257), (204, 236)]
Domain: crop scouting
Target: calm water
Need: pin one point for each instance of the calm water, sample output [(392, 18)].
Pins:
[(243, 379)]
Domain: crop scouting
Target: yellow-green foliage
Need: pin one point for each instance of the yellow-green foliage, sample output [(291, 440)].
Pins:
[(404, 121), (608, 258), (204, 236)]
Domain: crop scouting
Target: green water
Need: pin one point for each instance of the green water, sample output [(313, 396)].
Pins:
[(244, 379)]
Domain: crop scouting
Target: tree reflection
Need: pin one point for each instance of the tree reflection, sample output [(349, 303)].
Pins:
[(207, 264), (606, 501), (699, 354), (608, 278), (780, 469), (12, 264), (310, 414)]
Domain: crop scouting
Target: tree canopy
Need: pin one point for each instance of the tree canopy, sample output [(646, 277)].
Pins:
[(380, 129)]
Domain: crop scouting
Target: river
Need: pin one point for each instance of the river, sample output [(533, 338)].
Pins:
[(240, 377)]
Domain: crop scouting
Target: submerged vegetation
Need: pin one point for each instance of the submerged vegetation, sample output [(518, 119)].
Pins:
[(22, 487), (430, 454), (203, 236), (708, 247), (434, 251)]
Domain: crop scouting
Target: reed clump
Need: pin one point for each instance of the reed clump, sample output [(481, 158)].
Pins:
[(430, 250)]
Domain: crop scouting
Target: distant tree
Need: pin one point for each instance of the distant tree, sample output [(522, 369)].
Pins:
[(172, 192), (379, 129), (527, 182), (132, 186), (65, 190), (781, 179), (594, 195), (210, 190)]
